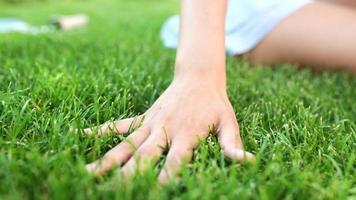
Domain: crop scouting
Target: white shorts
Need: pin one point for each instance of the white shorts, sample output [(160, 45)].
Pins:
[(247, 23)]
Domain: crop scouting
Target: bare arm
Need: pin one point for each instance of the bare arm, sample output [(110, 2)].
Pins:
[(202, 43), (194, 103)]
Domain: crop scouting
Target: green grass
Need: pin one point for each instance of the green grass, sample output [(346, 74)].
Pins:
[(301, 125)]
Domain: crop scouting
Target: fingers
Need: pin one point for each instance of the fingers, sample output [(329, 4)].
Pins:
[(120, 154), (119, 126), (147, 155), (230, 141), (181, 153)]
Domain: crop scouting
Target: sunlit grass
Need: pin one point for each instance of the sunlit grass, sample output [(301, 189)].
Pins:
[(301, 125)]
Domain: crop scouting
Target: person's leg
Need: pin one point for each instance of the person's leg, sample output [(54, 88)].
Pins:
[(343, 2), (321, 34)]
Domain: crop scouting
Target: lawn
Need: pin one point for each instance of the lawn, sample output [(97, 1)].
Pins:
[(300, 124)]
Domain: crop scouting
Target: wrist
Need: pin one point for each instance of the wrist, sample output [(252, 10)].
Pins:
[(203, 76)]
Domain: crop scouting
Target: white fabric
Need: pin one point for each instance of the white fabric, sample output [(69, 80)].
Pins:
[(11, 25), (247, 23)]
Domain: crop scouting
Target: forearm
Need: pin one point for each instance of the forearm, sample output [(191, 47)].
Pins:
[(185, 113), (201, 50)]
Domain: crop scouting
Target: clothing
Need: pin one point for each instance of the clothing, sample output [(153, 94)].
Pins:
[(247, 23), (13, 25)]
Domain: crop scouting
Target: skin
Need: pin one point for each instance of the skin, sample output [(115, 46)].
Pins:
[(351, 3), (176, 122), (296, 39)]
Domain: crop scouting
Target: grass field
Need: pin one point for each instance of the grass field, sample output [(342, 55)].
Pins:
[(301, 125)]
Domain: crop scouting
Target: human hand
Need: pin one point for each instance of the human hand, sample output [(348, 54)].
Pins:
[(176, 122)]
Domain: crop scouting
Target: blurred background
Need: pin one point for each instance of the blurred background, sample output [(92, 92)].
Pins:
[(119, 42), (107, 18)]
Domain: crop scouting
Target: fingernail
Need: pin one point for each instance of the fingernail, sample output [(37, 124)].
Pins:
[(87, 130), (91, 168), (245, 156)]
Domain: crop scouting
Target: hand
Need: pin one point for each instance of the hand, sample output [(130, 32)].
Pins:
[(176, 121)]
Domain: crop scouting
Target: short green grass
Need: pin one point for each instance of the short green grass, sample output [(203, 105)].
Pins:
[(301, 125)]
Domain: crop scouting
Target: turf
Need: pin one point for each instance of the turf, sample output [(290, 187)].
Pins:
[(300, 124)]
